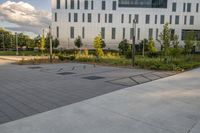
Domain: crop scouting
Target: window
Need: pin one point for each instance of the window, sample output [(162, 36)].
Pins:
[(65, 4), (71, 32), (83, 17), (86, 5), (170, 19), (197, 7), (157, 34), (129, 18), (78, 4), (184, 7), (69, 18), (92, 4), (110, 18), (131, 33), (143, 3), (89, 17), (172, 33), (147, 19), (150, 33), (72, 4), (137, 18), (122, 18), (75, 17), (114, 5), (189, 5), (162, 19), (173, 7), (55, 17), (113, 33), (156, 19), (83, 32), (191, 20), (176, 19), (58, 4), (138, 34), (57, 31), (124, 33), (195, 32), (103, 33), (103, 5), (185, 20), (105, 18), (99, 18)]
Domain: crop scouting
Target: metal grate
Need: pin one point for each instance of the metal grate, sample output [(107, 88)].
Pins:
[(36, 67), (94, 77), (66, 73)]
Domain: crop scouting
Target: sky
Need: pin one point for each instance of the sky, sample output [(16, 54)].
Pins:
[(27, 16)]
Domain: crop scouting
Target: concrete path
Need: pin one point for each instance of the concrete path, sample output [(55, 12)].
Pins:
[(169, 105)]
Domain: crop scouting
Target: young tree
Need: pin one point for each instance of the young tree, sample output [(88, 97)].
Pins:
[(143, 46), (189, 41), (175, 41), (165, 38), (97, 44), (78, 42), (151, 47), (123, 47)]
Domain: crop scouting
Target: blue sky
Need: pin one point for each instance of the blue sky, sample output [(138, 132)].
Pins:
[(27, 16)]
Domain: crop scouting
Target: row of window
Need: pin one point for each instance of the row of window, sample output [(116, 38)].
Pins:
[(86, 4), (108, 18), (187, 7), (131, 30), (113, 33)]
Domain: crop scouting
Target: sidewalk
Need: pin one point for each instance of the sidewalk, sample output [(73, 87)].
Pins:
[(18, 58), (169, 105)]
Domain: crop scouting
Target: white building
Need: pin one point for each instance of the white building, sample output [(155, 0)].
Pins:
[(113, 19)]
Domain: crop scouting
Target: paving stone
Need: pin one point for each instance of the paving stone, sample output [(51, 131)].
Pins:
[(161, 74), (151, 76), (140, 79), (4, 119), (30, 91), (125, 82)]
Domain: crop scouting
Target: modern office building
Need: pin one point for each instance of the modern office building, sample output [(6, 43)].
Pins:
[(113, 19)]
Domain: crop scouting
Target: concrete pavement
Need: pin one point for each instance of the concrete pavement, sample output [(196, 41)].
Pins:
[(32, 89), (169, 105)]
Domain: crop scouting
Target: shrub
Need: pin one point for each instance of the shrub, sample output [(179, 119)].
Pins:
[(124, 47)]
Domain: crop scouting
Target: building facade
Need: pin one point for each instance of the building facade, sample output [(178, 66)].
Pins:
[(113, 20)]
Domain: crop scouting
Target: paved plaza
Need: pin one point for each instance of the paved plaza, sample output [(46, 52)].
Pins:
[(28, 90), (167, 105)]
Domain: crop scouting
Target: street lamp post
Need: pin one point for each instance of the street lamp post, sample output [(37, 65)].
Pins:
[(133, 45), (17, 51), (51, 49)]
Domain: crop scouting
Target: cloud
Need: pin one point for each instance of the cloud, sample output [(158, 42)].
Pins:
[(25, 16)]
